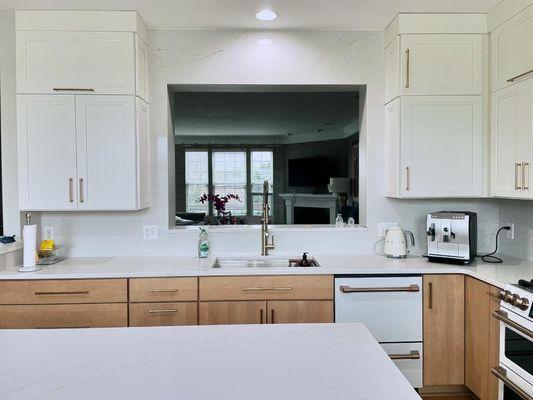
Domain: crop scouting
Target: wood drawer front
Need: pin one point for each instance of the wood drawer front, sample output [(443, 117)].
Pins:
[(232, 312), (163, 314), (163, 289), (64, 316), (64, 291), (266, 288), (300, 312)]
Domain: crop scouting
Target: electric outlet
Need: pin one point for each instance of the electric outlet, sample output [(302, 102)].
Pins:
[(510, 232), (48, 233), (150, 232), (383, 227)]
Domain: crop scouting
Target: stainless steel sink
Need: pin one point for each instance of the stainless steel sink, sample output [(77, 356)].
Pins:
[(262, 262)]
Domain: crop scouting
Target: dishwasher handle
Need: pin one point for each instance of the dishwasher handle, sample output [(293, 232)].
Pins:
[(349, 289)]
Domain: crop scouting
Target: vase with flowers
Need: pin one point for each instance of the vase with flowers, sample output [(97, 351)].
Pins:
[(219, 204)]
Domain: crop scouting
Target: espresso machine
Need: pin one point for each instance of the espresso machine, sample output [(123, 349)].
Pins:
[(452, 236)]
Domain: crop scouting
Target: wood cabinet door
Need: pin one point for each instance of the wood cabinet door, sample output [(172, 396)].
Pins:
[(75, 62), (163, 314), (46, 152), (106, 143), (442, 146), (477, 321), (442, 64), (494, 345), (300, 311), (232, 312), (444, 332)]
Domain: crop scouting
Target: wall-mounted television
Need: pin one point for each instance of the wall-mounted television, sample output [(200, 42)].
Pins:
[(311, 172)]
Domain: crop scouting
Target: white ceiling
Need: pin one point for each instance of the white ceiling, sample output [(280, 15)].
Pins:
[(293, 14)]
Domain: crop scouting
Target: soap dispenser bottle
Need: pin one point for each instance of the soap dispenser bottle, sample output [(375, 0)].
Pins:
[(203, 244)]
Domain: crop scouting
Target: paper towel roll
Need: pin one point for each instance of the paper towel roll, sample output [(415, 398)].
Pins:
[(29, 235)]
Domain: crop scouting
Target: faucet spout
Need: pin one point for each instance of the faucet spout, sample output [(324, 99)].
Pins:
[(266, 244)]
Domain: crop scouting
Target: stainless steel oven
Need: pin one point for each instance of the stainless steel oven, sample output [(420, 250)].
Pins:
[(515, 371)]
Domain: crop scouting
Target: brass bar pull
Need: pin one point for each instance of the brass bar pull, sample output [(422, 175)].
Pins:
[(81, 191), (430, 295), (519, 76), (262, 289), (516, 179), (408, 69), (81, 292), (503, 317), (410, 288), (70, 184), (163, 311), (407, 178), (261, 314), (163, 290), (56, 89), (62, 327), (525, 178), (272, 316), (501, 374), (413, 355)]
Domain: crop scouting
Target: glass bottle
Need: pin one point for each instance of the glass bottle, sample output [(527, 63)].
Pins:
[(339, 222)]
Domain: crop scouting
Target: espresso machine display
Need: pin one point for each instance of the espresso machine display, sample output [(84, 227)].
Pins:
[(452, 236)]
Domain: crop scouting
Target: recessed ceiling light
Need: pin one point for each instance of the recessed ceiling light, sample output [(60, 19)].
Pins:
[(266, 15)]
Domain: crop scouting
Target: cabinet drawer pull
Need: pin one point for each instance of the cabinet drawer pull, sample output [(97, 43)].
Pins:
[(410, 288), (272, 316), (501, 374), (262, 289), (525, 178), (430, 295), (516, 179), (81, 292), (261, 313), (70, 189), (407, 178), (163, 311), (56, 89), (519, 76), (81, 191), (407, 69), (503, 317), (163, 290), (63, 327), (413, 355)]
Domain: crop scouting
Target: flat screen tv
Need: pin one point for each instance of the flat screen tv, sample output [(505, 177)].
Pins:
[(312, 172)]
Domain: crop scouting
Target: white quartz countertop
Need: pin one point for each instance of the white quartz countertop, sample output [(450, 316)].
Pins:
[(301, 361), (510, 271)]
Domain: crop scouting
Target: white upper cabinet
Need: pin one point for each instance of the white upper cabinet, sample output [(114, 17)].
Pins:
[(143, 153), (106, 159), (393, 146), (56, 62), (441, 64), (46, 152), (141, 71), (392, 70), (512, 57), (441, 147)]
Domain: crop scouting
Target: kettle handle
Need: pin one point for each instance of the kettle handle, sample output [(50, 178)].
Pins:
[(409, 233)]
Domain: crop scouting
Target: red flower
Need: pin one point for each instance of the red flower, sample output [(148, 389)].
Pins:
[(219, 202)]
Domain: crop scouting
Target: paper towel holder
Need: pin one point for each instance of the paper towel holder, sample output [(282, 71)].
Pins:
[(34, 267)]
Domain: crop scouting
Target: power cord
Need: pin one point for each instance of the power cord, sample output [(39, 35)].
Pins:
[(491, 258)]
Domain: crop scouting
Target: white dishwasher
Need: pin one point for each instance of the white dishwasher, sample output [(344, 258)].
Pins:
[(391, 308)]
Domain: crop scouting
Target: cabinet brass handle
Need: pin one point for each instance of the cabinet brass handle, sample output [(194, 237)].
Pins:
[(504, 317), (407, 178), (272, 316), (501, 374), (410, 288), (173, 310), (70, 184), (407, 69), (57, 89), (261, 313), (519, 76), (413, 355), (81, 292), (516, 179), (430, 295), (81, 191), (63, 327), (262, 289), (525, 178), (163, 290)]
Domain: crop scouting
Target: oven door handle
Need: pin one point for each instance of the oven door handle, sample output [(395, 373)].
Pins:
[(501, 374), (503, 317)]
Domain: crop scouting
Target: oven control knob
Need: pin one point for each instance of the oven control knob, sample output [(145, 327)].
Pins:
[(521, 303), (501, 295), (508, 297)]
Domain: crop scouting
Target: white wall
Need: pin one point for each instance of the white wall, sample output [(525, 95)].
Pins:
[(233, 57)]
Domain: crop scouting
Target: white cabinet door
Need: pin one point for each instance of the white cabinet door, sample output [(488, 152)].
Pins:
[(442, 146), (450, 64), (55, 62), (507, 136), (392, 70), (106, 139), (393, 147), (512, 58), (408, 358), (141, 70), (143, 154), (46, 152)]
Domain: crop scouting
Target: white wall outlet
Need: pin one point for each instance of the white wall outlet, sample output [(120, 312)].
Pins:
[(48, 233), (383, 227), (150, 232), (510, 232)]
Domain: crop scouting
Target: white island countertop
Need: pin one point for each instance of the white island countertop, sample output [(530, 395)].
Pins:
[(303, 361), (510, 271)]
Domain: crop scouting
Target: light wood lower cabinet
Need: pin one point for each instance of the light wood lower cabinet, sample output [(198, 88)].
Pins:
[(63, 316), (444, 330), (232, 312), (298, 312), (163, 314), (163, 289)]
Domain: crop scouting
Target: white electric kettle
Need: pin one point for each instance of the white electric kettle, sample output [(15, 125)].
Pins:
[(396, 242)]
